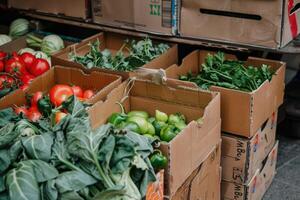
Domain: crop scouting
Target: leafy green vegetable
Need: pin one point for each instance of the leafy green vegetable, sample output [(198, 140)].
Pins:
[(230, 74), (140, 53), (70, 160)]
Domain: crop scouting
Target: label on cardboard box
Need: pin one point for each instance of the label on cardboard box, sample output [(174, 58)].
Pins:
[(154, 16), (258, 185), (241, 157)]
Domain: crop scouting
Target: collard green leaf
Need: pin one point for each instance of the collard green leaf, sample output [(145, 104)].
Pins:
[(15, 150), (6, 116), (38, 146), (71, 196), (75, 107), (48, 190), (5, 160), (4, 196), (2, 184), (42, 170), (7, 134), (22, 184), (74, 181), (115, 193)]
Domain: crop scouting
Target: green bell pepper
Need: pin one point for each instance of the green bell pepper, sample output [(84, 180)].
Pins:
[(136, 113), (167, 133), (141, 122), (151, 129), (158, 160), (176, 118), (158, 126), (161, 116)]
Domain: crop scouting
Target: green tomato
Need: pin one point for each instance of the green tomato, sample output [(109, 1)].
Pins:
[(161, 116), (136, 113)]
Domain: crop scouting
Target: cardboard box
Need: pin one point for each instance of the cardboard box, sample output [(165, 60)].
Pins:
[(21, 43), (114, 42), (243, 113), (99, 82), (155, 191), (264, 23), (153, 16), (241, 157), (189, 148), (67, 8), (258, 185), (204, 182)]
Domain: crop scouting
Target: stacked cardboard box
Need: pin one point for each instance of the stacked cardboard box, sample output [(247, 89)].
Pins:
[(249, 126), (273, 25)]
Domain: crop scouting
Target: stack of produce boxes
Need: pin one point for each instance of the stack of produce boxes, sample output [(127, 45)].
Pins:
[(248, 113)]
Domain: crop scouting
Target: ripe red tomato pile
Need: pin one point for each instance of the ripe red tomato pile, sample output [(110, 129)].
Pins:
[(51, 104), (17, 71)]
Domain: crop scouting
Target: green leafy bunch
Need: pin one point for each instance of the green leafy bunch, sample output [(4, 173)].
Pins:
[(140, 53), (231, 74), (70, 160)]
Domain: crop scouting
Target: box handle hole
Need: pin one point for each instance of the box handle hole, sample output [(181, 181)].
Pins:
[(230, 14)]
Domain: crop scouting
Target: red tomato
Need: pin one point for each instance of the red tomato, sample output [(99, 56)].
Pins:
[(78, 92), (1, 65), (27, 78), (24, 87), (59, 116), (59, 93), (15, 65), (3, 55), (88, 94), (39, 67), (34, 114), (35, 98), (28, 59), (7, 81), (22, 109)]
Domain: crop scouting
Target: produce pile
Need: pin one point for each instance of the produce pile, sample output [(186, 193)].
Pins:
[(49, 44), (140, 53), (69, 160), (18, 70), (161, 126), (17, 28), (42, 106), (229, 74)]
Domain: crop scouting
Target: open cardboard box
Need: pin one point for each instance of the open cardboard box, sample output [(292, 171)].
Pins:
[(20, 43), (263, 23), (204, 182), (65, 8), (155, 191), (114, 42), (243, 113), (190, 147), (241, 157), (258, 185), (99, 82)]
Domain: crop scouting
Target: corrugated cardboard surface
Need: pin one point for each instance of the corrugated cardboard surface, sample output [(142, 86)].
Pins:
[(20, 43), (70, 8), (101, 83), (143, 15), (241, 157), (155, 191), (258, 185), (204, 182), (188, 149), (242, 113), (114, 42), (253, 22)]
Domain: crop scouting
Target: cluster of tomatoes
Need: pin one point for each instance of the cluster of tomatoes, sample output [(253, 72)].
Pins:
[(17, 71), (46, 105)]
